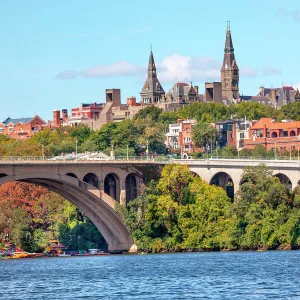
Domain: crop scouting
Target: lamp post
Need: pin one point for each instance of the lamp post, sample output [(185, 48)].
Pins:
[(217, 149), (43, 155), (76, 150), (147, 150), (127, 151), (207, 148), (275, 150)]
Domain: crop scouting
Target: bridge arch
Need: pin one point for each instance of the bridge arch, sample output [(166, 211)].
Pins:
[(112, 186), (224, 180), (97, 206), (71, 175), (131, 187), (284, 179), (92, 179), (2, 175)]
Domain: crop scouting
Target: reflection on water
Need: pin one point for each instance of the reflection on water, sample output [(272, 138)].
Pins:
[(234, 275)]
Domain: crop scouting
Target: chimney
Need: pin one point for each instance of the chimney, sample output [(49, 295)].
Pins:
[(196, 89), (56, 118), (65, 114), (273, 94), (131, 101)]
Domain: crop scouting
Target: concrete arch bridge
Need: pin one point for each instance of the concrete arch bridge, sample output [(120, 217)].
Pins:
[(97, 186)]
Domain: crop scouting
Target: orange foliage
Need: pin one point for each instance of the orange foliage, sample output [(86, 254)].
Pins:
[(22, 195)]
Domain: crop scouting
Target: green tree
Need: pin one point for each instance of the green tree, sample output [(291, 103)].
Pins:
[(203, 134)]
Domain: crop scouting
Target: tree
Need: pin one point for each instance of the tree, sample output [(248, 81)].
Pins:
[(203, 134)]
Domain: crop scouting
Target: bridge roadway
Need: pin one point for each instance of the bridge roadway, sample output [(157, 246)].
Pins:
[(97, 186)]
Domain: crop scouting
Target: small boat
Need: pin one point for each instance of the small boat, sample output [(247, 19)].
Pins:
[(19, 255)]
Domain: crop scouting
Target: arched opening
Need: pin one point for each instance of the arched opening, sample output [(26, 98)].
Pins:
[(92, 179), (112, 187), (100, 212), (2, 175), (71, 175), (274, 135), (131, 187), (292, 133), (224, 181), (284, 180), (194, 174)]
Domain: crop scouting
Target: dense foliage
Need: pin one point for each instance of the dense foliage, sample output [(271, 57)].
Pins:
[(30, 215), (181, 211)]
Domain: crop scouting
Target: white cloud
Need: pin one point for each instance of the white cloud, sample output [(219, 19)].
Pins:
[(269, 71), (121, 68), (188, 68), (172, 68)]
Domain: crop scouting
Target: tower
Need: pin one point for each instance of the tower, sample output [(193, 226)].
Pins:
[(229, 70), (152, 91)]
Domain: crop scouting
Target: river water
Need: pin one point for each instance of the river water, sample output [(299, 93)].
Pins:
[(225, 275)]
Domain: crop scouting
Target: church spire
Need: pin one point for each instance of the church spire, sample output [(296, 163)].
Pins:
[(151, 65), (228, 43), (152, 91), (229, 70)]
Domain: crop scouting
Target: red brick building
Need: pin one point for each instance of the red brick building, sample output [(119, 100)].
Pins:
[(22, 128), (271, 134), (179, 137)]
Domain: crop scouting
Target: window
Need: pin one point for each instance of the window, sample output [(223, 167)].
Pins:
[(284, 133), (242, 135), (10, 129), (1, 129)]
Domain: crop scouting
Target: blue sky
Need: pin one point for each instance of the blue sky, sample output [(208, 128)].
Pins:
[(57, 54)]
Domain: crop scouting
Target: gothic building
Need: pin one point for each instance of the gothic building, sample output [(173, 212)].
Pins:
[(152, 91), (229, 70)]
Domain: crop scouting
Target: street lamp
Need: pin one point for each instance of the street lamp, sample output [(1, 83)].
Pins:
[(217, 149), (76, 150), (147, 150), (43, 155), (207, 149)]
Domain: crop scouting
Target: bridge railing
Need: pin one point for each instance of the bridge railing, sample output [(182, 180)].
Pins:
[(83, 159), (162, 159), (254, 158)]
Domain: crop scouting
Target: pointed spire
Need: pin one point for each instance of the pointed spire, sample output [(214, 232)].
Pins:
[(228, 43), (151, 65)]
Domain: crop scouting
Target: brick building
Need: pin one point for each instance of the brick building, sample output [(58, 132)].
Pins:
[(270, 134), (179, 136), (22, 128)]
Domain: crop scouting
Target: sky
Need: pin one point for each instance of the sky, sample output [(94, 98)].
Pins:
[(57, 54)]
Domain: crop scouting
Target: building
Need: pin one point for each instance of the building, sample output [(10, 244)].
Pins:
[(22, 128), (182, 92), (233, 132), (276, 97), (229, 70), (179, 136), (270, 134), (152, 91), (113, 110)]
